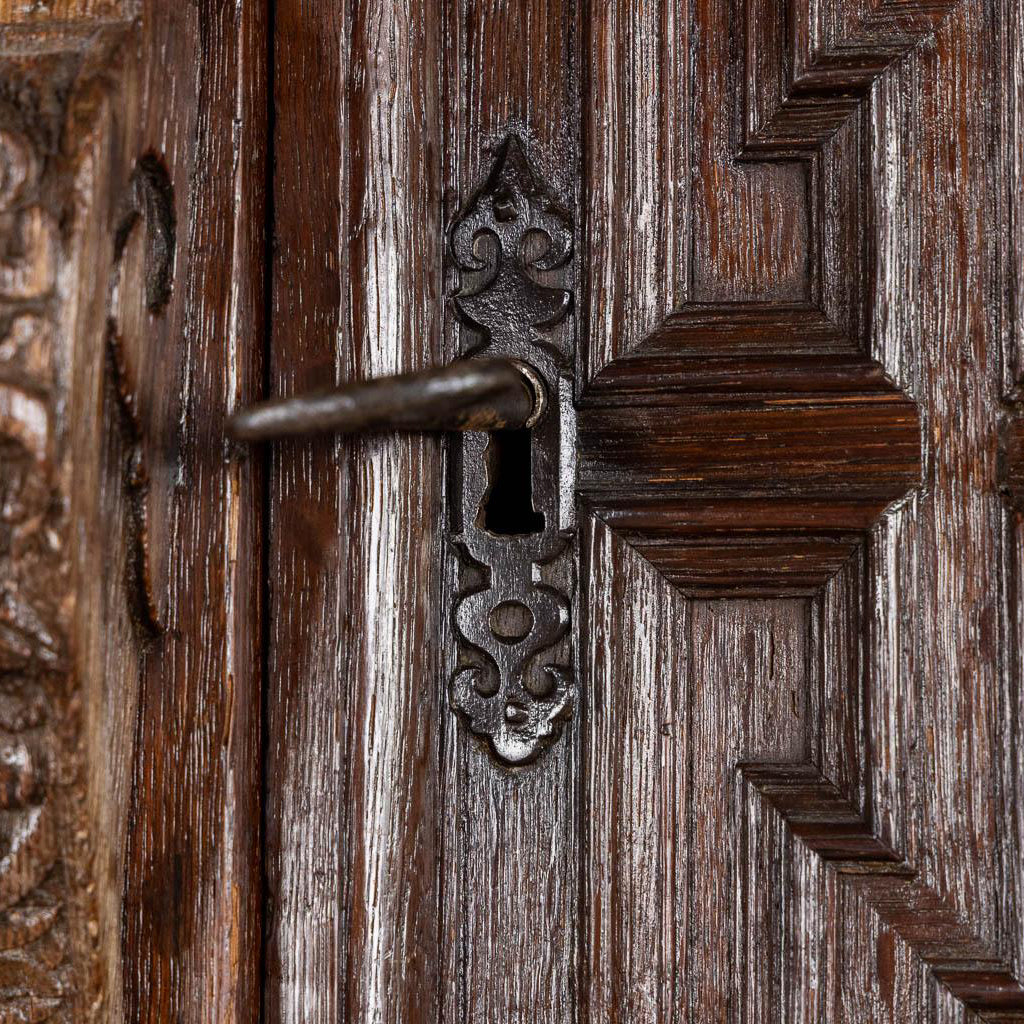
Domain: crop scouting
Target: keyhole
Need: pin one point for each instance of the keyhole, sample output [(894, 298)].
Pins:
[(508, 509)]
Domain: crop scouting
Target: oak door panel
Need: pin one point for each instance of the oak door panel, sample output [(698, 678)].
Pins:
[(874, 876), (786, 791), (790, 789), (352, 798)]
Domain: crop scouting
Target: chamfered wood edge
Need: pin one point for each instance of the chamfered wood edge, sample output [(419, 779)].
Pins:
[(1011, 460), (746, 474), (801, 85), (817, 814)]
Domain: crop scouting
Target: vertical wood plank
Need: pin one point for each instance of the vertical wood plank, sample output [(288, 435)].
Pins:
[(1011, 710), (636, 127), (1011, 92), (191, 934), (680, 692), (635, 785), (353, 667), (935, 660), (510, 880), (748, 697), (163, 717)]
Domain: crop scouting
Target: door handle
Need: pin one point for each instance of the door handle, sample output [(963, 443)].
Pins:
[(511, 481), (468, 395)]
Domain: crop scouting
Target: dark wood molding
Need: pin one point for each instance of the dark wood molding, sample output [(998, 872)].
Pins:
[(807, 73), (819, 816), (769, 508), (749, 478)]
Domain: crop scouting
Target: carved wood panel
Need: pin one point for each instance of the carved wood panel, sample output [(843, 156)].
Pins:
[(787, 791), (790, 787), (49, 969), (878, 866), (129, 831)]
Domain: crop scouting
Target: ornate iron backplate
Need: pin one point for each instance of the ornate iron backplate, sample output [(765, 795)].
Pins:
[(511, 244)]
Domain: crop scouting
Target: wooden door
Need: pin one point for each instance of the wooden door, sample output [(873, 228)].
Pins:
[(132, 176), (786, 783)]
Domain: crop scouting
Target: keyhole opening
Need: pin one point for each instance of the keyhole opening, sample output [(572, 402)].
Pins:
[(508, 509)]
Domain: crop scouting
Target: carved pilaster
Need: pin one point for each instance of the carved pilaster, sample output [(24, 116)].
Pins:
[(48, 961)]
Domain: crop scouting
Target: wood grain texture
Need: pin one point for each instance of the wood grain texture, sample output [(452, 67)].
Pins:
[(785, 292), (195, 99), (50, 947), (775, 301), (740, 484), (907, 691), (798, 300), (157, 761), (745, 177), (814, 811), (635, 790), (1011, 64), (941, 677), (512, 835), (1011, 454), (59, 12), (679, 691), (355, 544), (810, 63)]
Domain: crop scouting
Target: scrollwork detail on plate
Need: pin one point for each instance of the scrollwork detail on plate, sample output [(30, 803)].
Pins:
[(511, 245)]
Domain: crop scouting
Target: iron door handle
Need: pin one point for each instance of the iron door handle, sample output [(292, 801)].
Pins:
[(511, 516), (468, 395)]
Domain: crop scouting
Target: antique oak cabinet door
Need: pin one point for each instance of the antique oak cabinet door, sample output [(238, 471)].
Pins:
[(694, 693)]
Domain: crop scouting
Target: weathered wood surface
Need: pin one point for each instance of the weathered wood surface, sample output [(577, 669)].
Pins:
[(50, 941), (926, 788), (352, 807), (511, 835), (138, 243), (791, 787), (196, 101), (788, 296)]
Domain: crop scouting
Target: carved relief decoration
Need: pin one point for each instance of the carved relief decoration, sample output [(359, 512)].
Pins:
[(509, 244), (147, 206), (47, 960)]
